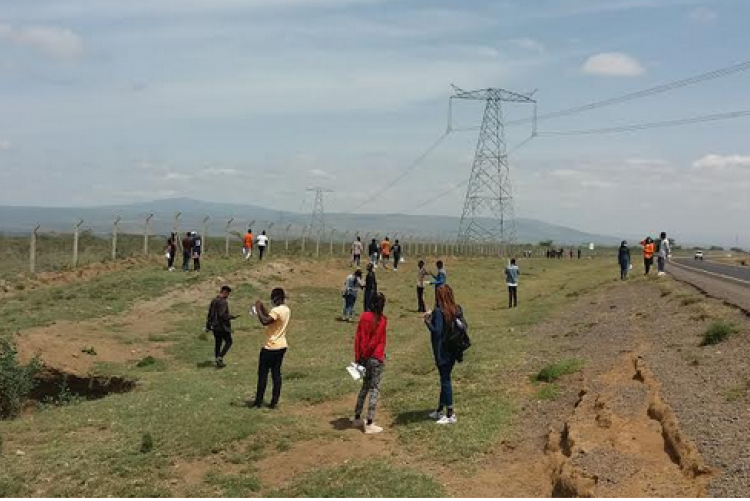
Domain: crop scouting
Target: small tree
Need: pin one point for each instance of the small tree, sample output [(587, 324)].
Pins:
[(16, 380)]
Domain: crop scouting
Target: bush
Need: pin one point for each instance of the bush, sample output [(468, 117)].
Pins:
[(718, 332), (552, 372), (16, 380), (147, 443)]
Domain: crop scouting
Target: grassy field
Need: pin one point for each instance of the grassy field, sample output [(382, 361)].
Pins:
[(205, 442)]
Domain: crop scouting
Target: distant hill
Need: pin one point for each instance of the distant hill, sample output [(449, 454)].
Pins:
[(99, 220)]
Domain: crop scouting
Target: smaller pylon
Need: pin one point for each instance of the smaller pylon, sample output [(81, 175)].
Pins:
[(318, 222)]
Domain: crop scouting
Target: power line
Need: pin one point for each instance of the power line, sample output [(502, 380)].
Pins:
[(677, 84), (650, 125)]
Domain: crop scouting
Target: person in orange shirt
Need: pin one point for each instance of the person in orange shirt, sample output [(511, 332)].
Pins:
[(648, 253), (247, 246), (385, 252)]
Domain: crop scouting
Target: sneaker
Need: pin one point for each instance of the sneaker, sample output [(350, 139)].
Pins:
[(357, 423), (447, 420), (252, 404), (371, 429), (661, 273), (436, 415), (220, 363)]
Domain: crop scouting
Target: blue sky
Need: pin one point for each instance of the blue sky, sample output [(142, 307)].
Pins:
[(106, 101)]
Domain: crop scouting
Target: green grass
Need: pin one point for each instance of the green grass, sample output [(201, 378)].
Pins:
[(552, 372), (547, 392), (718, 332), (196, 414), (737, 392), (371, 479)]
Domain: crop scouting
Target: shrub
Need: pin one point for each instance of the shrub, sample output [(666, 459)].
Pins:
[(552, 372), (147, 443), (16, 380), (146, 361), (718, 332)]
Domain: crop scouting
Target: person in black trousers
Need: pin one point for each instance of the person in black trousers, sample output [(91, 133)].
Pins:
[(371, 288), (187, 251), (422, 274), (396, 250), (272, 354), (219, 321)]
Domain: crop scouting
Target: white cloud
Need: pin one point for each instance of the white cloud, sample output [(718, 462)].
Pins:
[(615, 64), (5, 144), (529, 44), (320, 173), (719, 162), (58, 43), (703, 15), (219, 171)]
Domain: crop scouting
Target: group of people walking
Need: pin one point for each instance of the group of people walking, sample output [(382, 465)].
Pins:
[(250, 240), (378, 254), (661, 248), (192, 248)]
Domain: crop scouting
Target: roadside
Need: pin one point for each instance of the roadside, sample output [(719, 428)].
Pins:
[(730, 284)]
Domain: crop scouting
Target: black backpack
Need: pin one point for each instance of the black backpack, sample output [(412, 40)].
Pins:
[(457, 337)]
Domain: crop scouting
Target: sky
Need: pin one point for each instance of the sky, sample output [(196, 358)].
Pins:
[(254, 101)]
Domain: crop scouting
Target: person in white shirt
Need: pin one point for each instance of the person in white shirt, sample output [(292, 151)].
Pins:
[(663, 254), (262, 242)]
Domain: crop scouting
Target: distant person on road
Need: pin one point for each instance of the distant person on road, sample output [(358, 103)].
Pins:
[(579, 253), (421, 281), (511, 280), (623, 257), (648, 253), (396, 251), (371, 288), (272, 354), (262, 241), (171, 251), (663, 254), (372, 251), (219, 321), (352, 285), (357, 249), (247, 244), (369, 352), (197, 250), (440, 322), (385, 252), (440, 277), (187, 251), (571, 253)]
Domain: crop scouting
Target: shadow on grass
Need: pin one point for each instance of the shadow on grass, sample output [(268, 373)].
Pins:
[(207, 364), (410, 417), (341, 424)]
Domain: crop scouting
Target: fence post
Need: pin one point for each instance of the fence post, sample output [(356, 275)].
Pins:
[(286, 237), (204, 235), (333, 232), (317, 244), (32, 250), (115, 228), (304, 238), (76, 230), (343, 243), (268, 234), (175, 229), (146, 228), (226, 242)]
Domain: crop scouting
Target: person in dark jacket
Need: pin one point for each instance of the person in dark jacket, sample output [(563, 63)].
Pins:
[(187, 251), (371, 288), (396, 250), (171, 251), (219, 321), (373, 251), (439, 322), (197, 251), (623, 257)]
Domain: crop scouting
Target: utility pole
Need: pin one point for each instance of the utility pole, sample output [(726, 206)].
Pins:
[(227, 234), (146, 228), (317, 221), (205, 233), (115, 228), (76, 234), (488, 214)]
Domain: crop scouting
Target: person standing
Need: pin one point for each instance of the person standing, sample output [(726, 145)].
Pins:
[(579, 253), (171, 251), (372, 251), (352, 285), (357, 249), (439, 322), (371, 288), (219, 321), (396, 251), (369, 352), (421, 280), (385, 252), (187, 251), (441, 277), (262, 244), (623, 257), (272, 354), (663, 254), (511, 280), (197, 250), (247, 244), (648, 253)]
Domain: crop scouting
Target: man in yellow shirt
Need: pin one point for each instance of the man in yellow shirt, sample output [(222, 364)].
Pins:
[(276, 322)]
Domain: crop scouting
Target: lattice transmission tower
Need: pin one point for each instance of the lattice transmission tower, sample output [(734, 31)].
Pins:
[(318, 221), (488, 214)]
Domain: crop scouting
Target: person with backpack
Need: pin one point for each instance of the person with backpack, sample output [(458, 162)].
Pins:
[(197, 249), (511, 280), (187, 251), (421, 281), (396, 251), (219, 321), (623, 258), (352, 284), (247, 244), (372, 251), (663, 252), (171, 251), (369, 352), (272, 354), (262, 241), (371, 288), (648, 253), (449, 340), (357, 249)]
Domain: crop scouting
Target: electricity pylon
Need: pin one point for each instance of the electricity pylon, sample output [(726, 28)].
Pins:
[(488, 214), (318, 222)]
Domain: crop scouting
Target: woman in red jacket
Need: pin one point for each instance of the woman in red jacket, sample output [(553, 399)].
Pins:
[(369, 351)]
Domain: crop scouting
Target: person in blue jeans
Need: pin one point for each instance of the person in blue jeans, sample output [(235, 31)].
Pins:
[(352, 285), (438, 322)]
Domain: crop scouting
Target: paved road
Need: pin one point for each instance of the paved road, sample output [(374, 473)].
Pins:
[(736, 274)]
